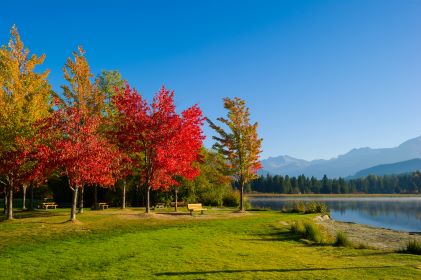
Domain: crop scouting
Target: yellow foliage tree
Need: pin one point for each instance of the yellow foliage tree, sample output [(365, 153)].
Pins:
[(24, 99), (84, 92), (240, 144)]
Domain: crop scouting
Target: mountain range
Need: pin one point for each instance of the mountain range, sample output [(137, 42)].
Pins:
[(391, 168), (346, 165)]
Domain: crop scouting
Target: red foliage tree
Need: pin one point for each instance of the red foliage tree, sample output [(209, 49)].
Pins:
[(78, 149), (161, 143)]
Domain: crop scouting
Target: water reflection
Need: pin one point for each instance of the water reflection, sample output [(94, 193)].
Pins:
[(399, 213)]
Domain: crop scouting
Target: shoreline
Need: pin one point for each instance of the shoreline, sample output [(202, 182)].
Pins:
[(329, 195), (374, 237)]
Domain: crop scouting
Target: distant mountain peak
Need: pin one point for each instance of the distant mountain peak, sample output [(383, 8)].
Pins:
[(346, 164)]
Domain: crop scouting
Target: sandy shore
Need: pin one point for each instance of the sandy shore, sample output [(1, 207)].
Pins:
[(379, 238)]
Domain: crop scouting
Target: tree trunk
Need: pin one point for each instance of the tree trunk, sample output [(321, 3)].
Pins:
[(31, 201), (5, 201), (176, 199), (24, 197), (242, 196), (74, 204), (123, 203), (10, 203), (148, 208), (95, 207), (81, 201)]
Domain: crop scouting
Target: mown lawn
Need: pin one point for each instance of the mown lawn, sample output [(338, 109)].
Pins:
[(121, 244)]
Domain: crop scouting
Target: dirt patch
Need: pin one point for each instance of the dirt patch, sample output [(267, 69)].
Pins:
[(379, 238)]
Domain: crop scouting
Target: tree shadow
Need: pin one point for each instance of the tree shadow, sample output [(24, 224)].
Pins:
[(173, 213), (18, 215), (186, 273)]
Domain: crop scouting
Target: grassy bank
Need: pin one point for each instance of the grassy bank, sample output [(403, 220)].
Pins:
[(221, 244)]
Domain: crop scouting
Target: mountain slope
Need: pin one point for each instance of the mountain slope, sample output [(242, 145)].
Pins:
[(393, 168), (344, 165)]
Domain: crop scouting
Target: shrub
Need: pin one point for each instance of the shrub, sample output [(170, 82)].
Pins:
[(412, 247), (231, 198), (342, 240)]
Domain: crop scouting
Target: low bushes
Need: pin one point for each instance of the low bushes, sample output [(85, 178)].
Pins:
[(307, 208)]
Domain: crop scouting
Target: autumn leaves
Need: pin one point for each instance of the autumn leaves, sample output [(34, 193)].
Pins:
[(100, 130), (95, 132)]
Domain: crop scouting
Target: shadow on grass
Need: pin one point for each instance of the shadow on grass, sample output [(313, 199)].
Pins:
[(173, 213), (185, 273), (33, 214), (280, 235)]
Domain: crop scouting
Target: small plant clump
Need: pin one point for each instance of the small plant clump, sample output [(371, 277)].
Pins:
[(412, 247), (342, 240), (308, 230), (311, 207), (316, 207)]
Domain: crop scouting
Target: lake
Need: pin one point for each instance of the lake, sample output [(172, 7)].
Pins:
[(398, 213)]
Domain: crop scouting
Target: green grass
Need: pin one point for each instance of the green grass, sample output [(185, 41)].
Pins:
[(222, 244)]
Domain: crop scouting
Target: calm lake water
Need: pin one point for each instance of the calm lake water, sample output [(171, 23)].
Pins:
[(398, 213)]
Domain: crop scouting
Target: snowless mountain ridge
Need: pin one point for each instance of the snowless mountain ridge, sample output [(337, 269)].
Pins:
[(344, 165)]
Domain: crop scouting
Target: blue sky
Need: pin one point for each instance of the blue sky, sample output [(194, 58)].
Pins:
[(320, 77)]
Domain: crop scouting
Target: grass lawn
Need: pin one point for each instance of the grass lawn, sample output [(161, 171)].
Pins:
[(121, 244)]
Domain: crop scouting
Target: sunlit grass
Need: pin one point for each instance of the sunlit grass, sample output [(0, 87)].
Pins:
[(221, 244)]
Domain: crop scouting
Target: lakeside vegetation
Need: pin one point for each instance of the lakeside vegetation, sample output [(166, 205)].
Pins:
[(221, 244), (371, 184)]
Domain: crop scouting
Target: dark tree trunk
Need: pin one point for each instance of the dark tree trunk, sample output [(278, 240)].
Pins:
[(5, 201), (148, 208), (176, 199), (10, 203), (24, 187), (74, 204), (95, 206), (81, 201), (123, 202), (241, 196), (31, 200)]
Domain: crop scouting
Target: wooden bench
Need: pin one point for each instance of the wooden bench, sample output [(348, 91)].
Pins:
[(102, 205), (46, 205), (195, 207)]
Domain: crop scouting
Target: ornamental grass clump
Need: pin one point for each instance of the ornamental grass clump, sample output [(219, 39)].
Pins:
[(308, 230), (412, 247), (316, 207), (298, 228), (342, 240), (312, 232)]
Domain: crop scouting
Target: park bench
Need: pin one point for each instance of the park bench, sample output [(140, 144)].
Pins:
[(195, 207), (102, 205), (159, 205), (46, 205)]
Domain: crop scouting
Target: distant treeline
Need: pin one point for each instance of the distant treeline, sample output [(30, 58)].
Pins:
[(388, 184)]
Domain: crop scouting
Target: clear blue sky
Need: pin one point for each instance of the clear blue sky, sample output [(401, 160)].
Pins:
[(321, 77)]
